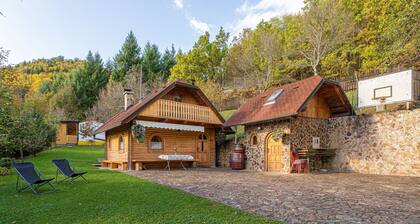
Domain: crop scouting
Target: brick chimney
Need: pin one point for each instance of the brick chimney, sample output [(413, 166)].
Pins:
[(128, 98)]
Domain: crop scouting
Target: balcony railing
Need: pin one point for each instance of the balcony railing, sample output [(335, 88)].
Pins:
[(180, 111)]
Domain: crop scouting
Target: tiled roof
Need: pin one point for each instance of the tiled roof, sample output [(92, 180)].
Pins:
[(292, 98), (125, 116)]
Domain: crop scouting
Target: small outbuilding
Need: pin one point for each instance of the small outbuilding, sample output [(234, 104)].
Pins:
[(67, 133), (289, 117)]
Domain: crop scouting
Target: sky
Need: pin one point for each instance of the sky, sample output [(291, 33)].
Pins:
[(33, 29)]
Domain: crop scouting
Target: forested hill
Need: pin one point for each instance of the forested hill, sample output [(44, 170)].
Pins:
[(331, 38), (28, 77)]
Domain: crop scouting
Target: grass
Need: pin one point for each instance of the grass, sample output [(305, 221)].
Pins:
[(88, 143), (109, 197)]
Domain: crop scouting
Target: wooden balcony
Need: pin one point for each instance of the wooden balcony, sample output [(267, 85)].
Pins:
[(170, 109)]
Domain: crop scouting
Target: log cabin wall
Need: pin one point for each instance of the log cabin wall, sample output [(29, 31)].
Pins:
[(185, 96), (185, 143), (113, 150), (317, 107)]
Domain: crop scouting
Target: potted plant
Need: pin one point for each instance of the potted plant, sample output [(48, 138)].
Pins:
[(139, 132)]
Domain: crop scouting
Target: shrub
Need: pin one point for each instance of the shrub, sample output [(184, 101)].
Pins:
[(5, 162), (4, 171)]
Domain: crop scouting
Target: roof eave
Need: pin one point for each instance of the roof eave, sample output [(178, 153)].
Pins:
[(284, 117)]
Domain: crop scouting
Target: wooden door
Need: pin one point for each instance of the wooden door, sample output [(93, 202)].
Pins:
[(203, 152), (274, 154)]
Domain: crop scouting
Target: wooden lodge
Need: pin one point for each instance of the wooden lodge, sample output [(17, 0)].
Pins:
[(67, 133), (176, 119)]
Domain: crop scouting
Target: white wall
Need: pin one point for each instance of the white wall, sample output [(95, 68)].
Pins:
[(96, 125), (400, 82)]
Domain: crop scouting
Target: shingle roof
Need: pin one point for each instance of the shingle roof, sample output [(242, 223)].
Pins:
[(131, 112), (294, 95)]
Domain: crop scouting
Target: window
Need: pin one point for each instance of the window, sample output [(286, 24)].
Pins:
[(254, 140), (272, 99), (71, 128), (202, 137), (121, 143), (156, 143)]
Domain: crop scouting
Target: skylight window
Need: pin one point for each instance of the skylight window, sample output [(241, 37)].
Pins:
[(272, 99)]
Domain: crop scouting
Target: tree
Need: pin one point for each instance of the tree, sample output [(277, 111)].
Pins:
[(4, 54), (325, 25), (88, 82), (204, 61), (111, 99), (167, 61), (128, 58), (255, 59), (151, 62)]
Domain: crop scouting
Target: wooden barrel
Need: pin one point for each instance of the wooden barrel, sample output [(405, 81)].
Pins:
[(237, 158)]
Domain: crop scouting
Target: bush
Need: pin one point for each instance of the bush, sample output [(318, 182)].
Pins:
[(4, 171), (5, 162)]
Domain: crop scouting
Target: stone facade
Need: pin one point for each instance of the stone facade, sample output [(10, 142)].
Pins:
[(304, 129), (384, 143), (255, 154)]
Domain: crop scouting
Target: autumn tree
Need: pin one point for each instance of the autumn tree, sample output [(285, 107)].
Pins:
[(325, 25), (204, 61)]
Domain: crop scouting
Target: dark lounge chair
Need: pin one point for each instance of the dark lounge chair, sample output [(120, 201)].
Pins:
[(63, 166), (31, 176)]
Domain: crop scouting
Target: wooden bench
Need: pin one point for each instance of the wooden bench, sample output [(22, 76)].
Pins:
[(114, 164), (140, 164)]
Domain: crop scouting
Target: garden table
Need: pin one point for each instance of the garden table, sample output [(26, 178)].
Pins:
[(175, 158)]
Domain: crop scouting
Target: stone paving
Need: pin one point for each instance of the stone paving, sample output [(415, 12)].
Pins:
[(303, 198)]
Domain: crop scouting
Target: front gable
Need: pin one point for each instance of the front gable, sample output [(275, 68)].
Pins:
[(183, 104)]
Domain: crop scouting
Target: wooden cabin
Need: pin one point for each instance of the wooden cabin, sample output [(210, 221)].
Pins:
[(288, 117), (67, 133), (175, 119)]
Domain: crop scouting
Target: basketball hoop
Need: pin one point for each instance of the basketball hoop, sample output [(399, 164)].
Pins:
[(381, 105)]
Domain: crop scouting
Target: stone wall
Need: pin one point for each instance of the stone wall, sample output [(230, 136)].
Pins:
[(255, 154), (383, 143), (304, 129), (224, 153)]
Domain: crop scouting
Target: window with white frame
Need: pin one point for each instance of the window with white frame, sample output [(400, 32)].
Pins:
[(156, 143)]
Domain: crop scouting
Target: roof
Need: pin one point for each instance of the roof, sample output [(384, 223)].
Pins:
[(290, 102), (129, 114)]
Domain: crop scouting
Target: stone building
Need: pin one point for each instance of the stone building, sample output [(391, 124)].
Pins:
[(291, 116)]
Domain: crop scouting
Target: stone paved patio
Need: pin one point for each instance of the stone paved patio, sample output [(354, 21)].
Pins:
[(301, 198)]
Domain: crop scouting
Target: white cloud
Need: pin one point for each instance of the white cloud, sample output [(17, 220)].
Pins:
[(263, 10), (198, 25), (179, 3)]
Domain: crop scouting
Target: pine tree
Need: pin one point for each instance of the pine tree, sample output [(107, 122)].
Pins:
[(88, 82), (151, 62), (128, 58), (167, 61)]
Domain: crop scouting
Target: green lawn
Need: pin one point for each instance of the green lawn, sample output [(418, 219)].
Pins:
[(109, 197)]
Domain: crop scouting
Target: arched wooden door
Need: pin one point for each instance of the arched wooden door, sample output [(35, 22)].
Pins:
[(203, 152), (274, 154)]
